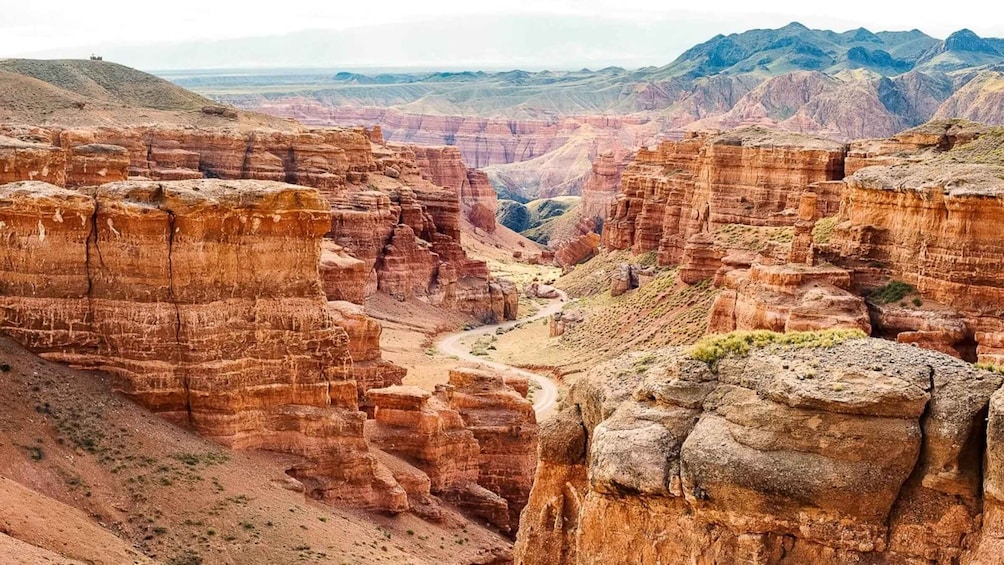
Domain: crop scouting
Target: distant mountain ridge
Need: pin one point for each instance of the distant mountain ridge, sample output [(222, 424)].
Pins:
[(844, 85)]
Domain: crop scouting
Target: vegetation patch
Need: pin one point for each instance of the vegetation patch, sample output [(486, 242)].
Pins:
[(823, 230), (712, 348), (894, 291)]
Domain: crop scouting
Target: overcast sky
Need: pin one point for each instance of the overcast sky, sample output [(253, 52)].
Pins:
[(53, 28)]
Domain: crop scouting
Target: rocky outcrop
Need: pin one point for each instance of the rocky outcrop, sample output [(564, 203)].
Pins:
[(571, 252), (246, 352), (601, 188), (369, 369), (751, 177), (798, 295), (474, 438), (27, 160), (561, 321), (786, 298), (504, 423), (94, 164), (479, 200), (862, 451), (425, 431), (931, 226), (443, 166), (373, 190)]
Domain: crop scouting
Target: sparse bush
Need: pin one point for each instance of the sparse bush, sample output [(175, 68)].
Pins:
[(822, 232), (712, 348), (894, 291), (917, 302)]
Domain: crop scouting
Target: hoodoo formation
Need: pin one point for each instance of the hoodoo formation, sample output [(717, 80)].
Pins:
[(754, 298)]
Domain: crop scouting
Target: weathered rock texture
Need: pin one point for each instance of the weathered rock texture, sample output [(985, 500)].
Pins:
[(601, 188), (864, 452), (680, 190), (475, 438), (203, 299), (443, 166), (921, 208), (373, 189), (918, 208)]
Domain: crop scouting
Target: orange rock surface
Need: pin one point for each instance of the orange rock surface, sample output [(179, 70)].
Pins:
[(373, 188), (750, 177), (246, 351), (504, 423), (862, 452)]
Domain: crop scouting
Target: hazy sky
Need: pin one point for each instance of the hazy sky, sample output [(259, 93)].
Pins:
[(32, 27)]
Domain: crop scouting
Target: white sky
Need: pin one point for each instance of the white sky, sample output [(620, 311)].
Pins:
[(29, 26)]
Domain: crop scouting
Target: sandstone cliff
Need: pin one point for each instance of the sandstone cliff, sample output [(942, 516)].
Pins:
[(203, 299), (915, 211), (374, 189), (673, 194), (823, 452), (475, 439)]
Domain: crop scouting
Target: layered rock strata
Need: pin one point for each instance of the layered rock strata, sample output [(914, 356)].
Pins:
[(505, 425), (601, 187), (474, 438), (202, 298), (373, 189), (930, 224), (864, 451), (753, 177), (425, 431)]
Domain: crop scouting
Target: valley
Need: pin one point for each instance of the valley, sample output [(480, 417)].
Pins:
[(745, 307)]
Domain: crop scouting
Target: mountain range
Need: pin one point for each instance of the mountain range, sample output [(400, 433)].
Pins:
[(844, 85)]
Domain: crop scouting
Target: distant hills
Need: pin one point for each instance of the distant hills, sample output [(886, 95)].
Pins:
[(84, 92), (846, 84)]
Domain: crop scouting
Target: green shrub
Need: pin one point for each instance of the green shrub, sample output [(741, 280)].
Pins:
[(714, 347), (917, 302), (892, 292), (823, 230)]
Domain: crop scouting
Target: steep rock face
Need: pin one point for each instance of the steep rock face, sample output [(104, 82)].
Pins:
[(504, 423), (600, 189), (369, 369), (372, 188), (579, 249), (786, 298), (25, 160), (480, 200), (246, 351), (94, 164), (932, 226), (798, 295), (754, 462), (427, 432), (751, 177), (443, 166), (481, 141)]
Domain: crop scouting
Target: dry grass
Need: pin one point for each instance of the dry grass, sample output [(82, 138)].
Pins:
[(714, 347)]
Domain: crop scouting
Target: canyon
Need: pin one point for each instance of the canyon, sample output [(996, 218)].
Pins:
[(766, 346), (830, 224), (221, 278)]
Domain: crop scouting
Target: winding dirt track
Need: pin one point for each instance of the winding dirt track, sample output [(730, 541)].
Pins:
[(547, 397)]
